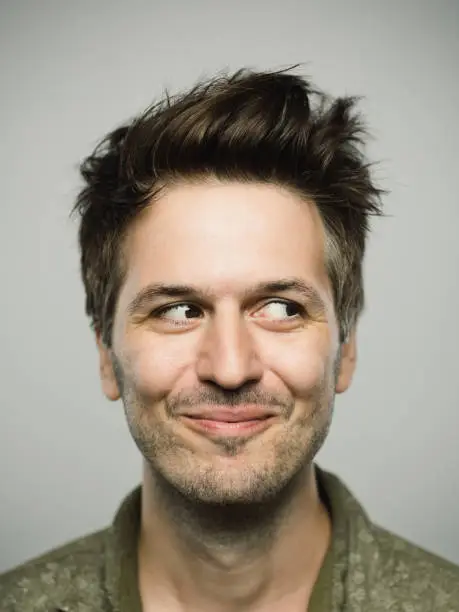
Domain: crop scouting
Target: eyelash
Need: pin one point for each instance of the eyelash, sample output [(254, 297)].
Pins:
[(158, 314)]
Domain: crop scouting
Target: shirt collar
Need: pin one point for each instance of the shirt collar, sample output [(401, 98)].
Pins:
[(351, 532)]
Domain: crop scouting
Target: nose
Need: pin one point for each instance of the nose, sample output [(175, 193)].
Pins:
[(228, 356)]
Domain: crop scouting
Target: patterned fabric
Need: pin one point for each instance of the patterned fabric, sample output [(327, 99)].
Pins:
[(370, 569)]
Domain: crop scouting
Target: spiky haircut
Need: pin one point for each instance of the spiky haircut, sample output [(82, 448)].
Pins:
[(271, 127)]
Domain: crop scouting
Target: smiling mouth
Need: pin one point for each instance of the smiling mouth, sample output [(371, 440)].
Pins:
[(246, 427)]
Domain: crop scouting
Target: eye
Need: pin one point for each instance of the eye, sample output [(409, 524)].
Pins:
[(177, 314), (280, 310)]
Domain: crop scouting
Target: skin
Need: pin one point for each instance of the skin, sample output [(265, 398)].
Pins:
[(229, 522)]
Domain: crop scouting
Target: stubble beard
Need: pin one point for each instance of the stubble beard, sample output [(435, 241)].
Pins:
[(245, 505), (173, 465)]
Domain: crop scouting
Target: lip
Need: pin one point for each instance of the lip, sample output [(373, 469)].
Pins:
[(237, 414), (233, 428)]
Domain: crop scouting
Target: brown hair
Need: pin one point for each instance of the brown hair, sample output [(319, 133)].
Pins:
[(248, 126)]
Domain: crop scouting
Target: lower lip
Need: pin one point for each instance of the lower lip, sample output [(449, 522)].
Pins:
[(224, 428)]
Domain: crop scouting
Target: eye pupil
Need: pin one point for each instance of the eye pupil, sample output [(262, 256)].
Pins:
[(291, 309), (190, 311)]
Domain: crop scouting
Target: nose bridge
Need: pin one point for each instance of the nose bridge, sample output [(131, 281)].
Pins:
[(228, 355)]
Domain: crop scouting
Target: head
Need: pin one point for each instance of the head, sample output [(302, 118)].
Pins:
[(222, 239)]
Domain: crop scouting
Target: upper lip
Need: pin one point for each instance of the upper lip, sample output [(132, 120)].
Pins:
[(235, 414)]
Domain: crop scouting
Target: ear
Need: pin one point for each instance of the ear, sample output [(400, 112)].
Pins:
[(347, 363), (106, 372)]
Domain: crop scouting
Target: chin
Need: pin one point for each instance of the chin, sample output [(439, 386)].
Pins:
[(236, 484)]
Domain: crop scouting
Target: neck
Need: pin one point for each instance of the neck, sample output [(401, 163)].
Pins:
[(231, 557)]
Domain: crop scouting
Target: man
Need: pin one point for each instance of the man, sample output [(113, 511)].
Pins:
[(222, 238)]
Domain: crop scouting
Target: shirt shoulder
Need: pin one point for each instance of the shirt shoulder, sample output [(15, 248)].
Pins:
[(74, 570), (408, 573), (380, 570)]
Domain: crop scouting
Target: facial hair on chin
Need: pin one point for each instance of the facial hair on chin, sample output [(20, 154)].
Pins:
[(158, 442)]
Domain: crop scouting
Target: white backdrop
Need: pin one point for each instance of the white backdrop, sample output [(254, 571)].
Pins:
[(70, 71)]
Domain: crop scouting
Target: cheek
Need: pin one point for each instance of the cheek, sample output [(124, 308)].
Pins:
[(154, 367), (303, 364)]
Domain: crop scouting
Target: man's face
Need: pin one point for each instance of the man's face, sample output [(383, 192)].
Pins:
[(226, 314)]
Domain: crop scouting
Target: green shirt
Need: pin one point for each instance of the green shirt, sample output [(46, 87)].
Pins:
[(366, 569), (321, 593)]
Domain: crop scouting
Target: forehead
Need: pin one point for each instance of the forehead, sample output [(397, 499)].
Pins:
[(226, 236)]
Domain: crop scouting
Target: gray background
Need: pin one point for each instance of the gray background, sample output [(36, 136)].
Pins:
[(69, 72)]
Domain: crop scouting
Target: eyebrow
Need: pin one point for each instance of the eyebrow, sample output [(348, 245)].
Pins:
[(163, 290)]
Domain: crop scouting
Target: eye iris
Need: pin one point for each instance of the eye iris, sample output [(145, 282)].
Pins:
[(291, 310), (190, 312), (184, 311)]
